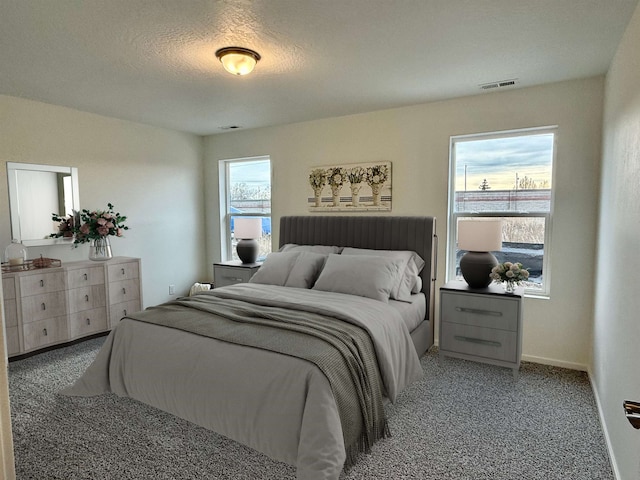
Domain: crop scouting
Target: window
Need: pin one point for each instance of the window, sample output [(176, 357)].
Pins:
[(506, 175), (245, 191)]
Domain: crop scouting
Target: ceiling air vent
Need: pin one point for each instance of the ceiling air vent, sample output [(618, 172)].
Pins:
[(499, 84)]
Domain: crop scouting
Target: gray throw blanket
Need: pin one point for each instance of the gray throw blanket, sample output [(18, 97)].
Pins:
[(342, 351)]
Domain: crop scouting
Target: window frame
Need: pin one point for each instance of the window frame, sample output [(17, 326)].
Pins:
[(226, 248), (453, 215)]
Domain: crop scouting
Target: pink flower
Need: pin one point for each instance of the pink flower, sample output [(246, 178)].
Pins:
[(119, 232), (109, 225), (85, 228), (103, 231), (101, 221)]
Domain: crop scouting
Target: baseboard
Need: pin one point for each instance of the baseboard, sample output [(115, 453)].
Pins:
[(555, 363), (605, 431)]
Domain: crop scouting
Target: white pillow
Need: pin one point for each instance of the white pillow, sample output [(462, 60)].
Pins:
[(323, 249), (412, 265), (290, 269), (362, 275)]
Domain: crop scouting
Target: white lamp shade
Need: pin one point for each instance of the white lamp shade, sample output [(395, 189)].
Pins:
[(480, 235), (247, 228)]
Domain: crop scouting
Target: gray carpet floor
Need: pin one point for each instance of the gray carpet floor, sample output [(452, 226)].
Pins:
[(463, 420)]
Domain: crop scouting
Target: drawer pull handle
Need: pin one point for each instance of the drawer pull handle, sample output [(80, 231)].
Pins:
[(477, 311), (86, 298), (122, 270), (480, 341), (234, 279), (44, 307), (85, 277), (125, 312), (124, 291), (44, 332), (88, 321), (42, 283)]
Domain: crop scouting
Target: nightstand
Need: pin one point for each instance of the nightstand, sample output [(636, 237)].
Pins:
[(484, 325), (229, 273)]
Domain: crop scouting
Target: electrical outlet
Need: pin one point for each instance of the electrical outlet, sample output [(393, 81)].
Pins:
[(172, 289)]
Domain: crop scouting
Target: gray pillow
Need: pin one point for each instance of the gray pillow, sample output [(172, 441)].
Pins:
[(323, 249), (290, 269), (412, 265), (362, 275)]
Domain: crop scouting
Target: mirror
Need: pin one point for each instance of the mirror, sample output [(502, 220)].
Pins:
[(35, 192)]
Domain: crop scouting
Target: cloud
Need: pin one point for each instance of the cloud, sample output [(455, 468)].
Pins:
[(499, 160)]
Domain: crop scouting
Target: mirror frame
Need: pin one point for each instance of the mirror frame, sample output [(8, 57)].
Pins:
[(12, 179)]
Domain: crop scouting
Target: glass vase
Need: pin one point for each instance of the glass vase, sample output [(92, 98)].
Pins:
[(510, 287), (100, 249)]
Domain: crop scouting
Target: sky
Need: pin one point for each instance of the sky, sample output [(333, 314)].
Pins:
[(253, 173), (499, 160)]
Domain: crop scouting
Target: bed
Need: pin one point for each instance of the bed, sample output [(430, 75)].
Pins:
[(280, 391)]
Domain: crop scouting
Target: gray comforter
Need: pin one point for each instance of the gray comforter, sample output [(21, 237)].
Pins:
[(279, 405)]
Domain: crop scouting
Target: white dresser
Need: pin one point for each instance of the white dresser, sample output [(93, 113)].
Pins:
[(49, 306)]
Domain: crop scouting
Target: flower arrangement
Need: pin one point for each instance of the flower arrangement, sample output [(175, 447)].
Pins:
[(336, 176), (377, 174), (356, 175), (511, 273), (91, 225), (318, 178), (66, 225)]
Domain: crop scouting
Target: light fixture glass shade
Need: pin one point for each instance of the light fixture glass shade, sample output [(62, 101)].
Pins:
[(237, 60), (480, 235), (247, 228)]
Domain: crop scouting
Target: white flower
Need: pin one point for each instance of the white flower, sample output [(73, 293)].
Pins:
[(525, 273), (515, 267), (507, 265), (510, 274)]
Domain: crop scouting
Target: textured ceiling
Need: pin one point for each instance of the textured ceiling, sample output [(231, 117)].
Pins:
[(152, 61)]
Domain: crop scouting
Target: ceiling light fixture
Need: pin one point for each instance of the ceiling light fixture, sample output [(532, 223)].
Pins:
[(238, 60)]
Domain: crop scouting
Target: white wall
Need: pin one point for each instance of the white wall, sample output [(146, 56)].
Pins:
[(416, 140), (616, 344), (152, 175)]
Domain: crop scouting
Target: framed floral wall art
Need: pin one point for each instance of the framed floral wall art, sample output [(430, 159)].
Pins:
[(354, 187)]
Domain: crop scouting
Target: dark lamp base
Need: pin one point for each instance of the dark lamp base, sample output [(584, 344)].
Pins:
[(476, 268), (247, 250)]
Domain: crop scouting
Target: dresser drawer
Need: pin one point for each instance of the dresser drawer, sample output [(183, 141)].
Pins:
[(10, 313), (45, 332), (87, 298), (13, 341), (224, 276), (117, 311), (479, 311), (47, 305), (124, 291), (123, 271), (8, 288), (42, 283), (478, 341), (84, 277), (88, 322)]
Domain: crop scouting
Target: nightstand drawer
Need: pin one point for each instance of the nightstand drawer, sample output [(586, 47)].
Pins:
[(481, 342), (224, 276), (480, 311)]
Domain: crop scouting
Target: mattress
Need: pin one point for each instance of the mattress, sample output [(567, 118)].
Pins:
[(412, 313)]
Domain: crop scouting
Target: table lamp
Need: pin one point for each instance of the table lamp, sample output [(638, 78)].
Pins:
[(479, 238), (246, 231)]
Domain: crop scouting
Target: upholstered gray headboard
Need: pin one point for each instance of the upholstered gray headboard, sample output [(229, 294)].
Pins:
[(381, 233)]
